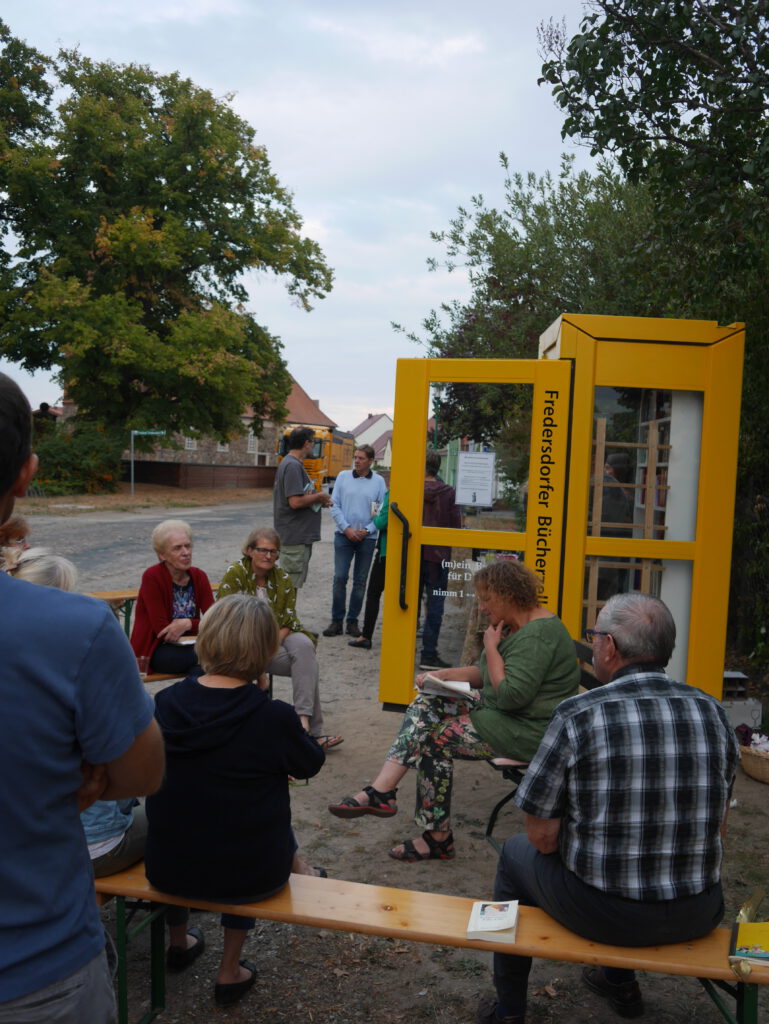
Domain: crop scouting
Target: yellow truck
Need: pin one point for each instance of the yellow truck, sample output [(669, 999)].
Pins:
[(332, 452)]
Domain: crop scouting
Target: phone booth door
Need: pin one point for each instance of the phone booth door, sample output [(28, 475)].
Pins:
[(501, 493)]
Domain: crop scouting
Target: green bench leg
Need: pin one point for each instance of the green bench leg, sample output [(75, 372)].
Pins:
[(155, 919), (745, 996)]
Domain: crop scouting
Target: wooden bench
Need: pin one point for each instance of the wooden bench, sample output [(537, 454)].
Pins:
[(412, 916)]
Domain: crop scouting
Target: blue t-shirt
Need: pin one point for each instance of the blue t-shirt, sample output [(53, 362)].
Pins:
[(70, 691)]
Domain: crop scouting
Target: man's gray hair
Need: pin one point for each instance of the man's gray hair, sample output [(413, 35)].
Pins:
[(642, 627)]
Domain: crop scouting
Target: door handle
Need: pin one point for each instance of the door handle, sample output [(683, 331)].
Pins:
[(404, 553)]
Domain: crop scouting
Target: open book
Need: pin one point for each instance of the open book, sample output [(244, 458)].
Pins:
[(494, 922), (435, 687)]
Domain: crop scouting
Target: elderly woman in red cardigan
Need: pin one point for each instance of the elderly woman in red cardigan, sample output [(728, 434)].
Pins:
[(172, 598)]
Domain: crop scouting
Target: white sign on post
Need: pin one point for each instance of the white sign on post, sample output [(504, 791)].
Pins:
[(475, 478)]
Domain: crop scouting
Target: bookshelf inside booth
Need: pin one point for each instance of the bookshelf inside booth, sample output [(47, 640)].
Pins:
[(644, 486)]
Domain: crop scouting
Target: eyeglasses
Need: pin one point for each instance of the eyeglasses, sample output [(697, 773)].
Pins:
[(267, 552), (591, 634)]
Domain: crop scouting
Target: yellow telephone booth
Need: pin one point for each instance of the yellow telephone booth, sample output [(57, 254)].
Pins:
[(611, 468)]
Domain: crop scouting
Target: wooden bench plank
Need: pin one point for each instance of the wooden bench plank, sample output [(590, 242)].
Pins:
[(442, 920)]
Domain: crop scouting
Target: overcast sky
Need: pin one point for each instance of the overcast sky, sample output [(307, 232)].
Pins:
[(381, 119)]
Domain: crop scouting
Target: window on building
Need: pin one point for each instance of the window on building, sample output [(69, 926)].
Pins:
[(190, 444), (222, 446)]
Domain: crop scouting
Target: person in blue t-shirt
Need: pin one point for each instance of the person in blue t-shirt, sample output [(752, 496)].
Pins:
[(76, 726)]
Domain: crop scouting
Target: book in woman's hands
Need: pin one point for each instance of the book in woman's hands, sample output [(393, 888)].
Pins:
[(435, 687), (494, 922)]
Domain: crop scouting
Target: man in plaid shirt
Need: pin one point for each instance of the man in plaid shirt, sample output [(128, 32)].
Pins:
[(625, 802)]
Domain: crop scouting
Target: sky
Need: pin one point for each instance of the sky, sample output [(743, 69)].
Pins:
[(381, 119)]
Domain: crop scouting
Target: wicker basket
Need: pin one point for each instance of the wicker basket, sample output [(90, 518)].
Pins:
[(755, 763)]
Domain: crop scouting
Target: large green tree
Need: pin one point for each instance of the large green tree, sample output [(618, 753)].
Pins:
[(132, 210)]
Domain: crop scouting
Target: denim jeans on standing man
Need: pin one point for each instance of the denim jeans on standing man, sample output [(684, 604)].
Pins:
[(344, 552)]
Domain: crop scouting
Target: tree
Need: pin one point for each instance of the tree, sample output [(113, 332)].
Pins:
[(678, 90), (136, 206), (596, 243), (579, 242)]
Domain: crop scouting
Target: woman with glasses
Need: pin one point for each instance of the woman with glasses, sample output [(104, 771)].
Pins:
[(256, 573)]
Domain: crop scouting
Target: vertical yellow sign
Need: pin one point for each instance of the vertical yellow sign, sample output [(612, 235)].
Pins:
[(546, 510)]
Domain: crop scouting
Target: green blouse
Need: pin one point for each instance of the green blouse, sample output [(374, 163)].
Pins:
[(240, 579), (540, 671)]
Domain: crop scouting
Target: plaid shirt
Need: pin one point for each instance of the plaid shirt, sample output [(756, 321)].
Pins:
[(640, 772)]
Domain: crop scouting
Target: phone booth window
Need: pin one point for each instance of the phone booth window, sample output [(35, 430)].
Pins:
[(643, 486), (476, 475)]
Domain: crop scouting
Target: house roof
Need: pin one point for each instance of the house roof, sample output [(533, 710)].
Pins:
[(302, 410), (380, 444), (369, 421)]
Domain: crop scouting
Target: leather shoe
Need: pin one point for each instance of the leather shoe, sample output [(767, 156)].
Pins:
[(625, 998), (227, 995), (487, 1014), (334, 629), (179, 959), (352, 628), (362, 643)]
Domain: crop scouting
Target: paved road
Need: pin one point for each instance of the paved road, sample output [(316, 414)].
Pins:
[(112, 549)]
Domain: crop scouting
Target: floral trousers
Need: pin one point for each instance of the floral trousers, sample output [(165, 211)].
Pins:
[(435, 732)]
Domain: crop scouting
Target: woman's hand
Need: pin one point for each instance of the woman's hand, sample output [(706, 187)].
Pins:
[(174, 629), (492, 637)]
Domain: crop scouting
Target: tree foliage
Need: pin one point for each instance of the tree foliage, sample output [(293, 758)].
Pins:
[(596, 243), (132, 210), (577, 242), (678, 90)]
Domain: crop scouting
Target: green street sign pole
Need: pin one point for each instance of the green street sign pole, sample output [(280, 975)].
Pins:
[(140, 433)]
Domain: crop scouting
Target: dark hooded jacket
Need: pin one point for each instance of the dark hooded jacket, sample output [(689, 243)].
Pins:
[(440, 509), (220, 826)]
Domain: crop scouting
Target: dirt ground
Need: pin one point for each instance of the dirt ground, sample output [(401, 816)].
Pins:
[(324, 977)]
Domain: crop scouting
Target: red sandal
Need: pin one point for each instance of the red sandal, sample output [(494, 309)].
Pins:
[(381, 805)]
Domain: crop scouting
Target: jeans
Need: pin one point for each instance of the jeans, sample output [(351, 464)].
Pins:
[(376, 582), (85, 995), (433, 578), (541, 880), (344, 553)]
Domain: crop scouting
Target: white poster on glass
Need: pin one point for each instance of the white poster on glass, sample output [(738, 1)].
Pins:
[(475, 478)]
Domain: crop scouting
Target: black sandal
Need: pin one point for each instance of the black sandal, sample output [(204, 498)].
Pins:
[(438, 849), (381, 805)]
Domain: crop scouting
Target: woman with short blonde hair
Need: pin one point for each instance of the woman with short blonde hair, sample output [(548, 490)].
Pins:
[(172, 597), (220, 827)]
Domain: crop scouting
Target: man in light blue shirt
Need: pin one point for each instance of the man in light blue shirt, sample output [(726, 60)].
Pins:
[(358, 496)]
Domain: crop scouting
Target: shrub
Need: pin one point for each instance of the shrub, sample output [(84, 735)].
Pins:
[(80, 459)]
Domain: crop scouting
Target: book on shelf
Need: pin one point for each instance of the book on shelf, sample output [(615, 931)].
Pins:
[(435, 687), (493, 921)]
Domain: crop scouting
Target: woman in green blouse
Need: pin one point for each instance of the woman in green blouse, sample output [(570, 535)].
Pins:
[(256, 573)]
